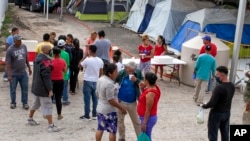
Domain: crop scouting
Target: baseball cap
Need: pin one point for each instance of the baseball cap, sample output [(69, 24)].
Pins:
[(208, 48), (61, 43), (206, 37), (17, 37)]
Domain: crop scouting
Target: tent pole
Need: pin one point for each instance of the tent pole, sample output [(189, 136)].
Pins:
[(237, 39), (112, 12), (44, 5), (47, 12), (61, 12)]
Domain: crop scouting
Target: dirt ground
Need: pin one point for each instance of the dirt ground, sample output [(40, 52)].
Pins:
[(176, 115)]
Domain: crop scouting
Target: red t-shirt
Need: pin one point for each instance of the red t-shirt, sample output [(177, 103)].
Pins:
[(58, 66), (141, 108), (145, 50), (159, 50), (213, 51)]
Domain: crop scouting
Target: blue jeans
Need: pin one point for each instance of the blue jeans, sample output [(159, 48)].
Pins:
[(150, 124), (217, 121), (5, 73), (23, 82), (209, 84), (65, 91), (145, 66), (89, 89)]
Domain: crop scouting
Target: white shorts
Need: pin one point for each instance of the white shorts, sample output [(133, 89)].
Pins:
[(45, 103)]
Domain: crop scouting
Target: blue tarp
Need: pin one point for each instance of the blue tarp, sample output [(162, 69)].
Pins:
[(185, 34), (146, 19), (222, 31), (227, 32)]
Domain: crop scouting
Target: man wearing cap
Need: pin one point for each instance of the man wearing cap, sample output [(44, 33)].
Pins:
[(8, 43), (207, 41), (65, 56), (16, 61), (129, 79), (213, 52), (204, 67)]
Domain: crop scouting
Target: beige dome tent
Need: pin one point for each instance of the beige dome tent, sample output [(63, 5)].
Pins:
[(190, 52)]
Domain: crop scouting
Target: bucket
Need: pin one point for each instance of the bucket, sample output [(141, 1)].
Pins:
[(31, 56)]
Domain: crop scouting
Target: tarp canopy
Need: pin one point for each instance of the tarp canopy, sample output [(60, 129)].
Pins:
[(218, 21), (168, 16)]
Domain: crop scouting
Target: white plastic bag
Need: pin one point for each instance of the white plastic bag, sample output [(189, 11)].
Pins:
[(200, 116)]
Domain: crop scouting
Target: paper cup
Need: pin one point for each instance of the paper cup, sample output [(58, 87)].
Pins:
[(130, 76), (143, 56)]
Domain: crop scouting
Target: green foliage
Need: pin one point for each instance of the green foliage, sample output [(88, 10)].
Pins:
[(8, 20)]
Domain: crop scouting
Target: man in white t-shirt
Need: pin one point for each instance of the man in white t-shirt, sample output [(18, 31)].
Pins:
[(93, 66)]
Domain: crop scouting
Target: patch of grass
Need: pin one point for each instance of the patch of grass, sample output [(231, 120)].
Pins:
[(8, 20)]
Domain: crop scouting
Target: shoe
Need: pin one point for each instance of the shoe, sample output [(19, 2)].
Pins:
[(60, 117), (65, 103), (121, 140), (54, 129), (32, 122), (199, 104), (5, 79), (26, 106), (85, 118), (94, 117), (12, 106), (73, 93)]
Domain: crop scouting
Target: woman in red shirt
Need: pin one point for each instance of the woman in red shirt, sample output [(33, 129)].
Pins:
[(59, 67), (147, 103), (146, 52), (160, 49)]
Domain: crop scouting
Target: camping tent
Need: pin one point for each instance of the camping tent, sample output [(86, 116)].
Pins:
[(218, 21), (146, 18), (140, 15), (100, 9), (168, 16)]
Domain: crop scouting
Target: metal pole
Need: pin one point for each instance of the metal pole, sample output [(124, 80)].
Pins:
[(61, 15), (237, 39), (47, 11), (44, 5), (112, 12)]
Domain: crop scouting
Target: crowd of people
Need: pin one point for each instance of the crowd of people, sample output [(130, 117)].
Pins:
[(113, 88)]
